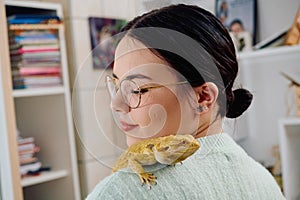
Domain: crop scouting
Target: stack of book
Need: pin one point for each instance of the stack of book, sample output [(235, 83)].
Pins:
[(27, 155), (34, 51)]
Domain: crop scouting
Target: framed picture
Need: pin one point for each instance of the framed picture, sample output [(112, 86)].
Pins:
[(101, 30), (238, 16)]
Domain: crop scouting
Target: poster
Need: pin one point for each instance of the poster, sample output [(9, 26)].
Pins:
[(238, 16), (101, 30)]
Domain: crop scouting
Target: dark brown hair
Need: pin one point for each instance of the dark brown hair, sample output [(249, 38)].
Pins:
[(208, 31)]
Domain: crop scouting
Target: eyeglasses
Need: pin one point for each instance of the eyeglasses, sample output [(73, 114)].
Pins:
[(130, 91)]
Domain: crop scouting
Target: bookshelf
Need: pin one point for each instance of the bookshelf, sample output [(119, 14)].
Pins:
[(38, 92), (44, 177), (45, 114), (276, 51)]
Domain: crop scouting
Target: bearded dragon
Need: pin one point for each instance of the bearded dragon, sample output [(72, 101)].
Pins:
[(167, 150)]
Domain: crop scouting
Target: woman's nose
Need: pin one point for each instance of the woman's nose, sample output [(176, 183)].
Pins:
[(117, 104)]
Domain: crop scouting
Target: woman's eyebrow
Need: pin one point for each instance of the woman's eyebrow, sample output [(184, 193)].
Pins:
[(140, 76), (132, 76)]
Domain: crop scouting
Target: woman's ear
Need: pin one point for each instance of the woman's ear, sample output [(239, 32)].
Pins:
[(207, 95)]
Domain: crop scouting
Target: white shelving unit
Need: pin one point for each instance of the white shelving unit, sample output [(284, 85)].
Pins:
[(45, 114), (276, 51), (38, 92), (43, 177), (260, 72), (289, 140)]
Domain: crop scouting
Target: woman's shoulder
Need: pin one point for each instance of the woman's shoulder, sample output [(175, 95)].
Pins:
[(121, 185), (111, 185), (127, 185)]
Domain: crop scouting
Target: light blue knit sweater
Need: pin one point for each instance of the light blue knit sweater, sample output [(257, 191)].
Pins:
[(219, 170)]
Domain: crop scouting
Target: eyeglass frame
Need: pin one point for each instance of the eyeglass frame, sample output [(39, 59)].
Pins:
[(139, 91)]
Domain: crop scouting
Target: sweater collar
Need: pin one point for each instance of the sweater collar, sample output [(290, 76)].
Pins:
[(220, 142)]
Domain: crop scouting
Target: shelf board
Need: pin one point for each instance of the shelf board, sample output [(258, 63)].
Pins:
[(269, 52), (290, 121), (13, 27), (43, 177), (38, 91)]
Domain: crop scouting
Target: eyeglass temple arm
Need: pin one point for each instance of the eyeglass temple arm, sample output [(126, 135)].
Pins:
[(159, 86)]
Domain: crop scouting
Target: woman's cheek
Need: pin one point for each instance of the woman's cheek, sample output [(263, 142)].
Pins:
[(140, 116), (154, 123), (150, 115)]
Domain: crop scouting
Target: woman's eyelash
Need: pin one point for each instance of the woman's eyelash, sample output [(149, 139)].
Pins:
[(141, 91)]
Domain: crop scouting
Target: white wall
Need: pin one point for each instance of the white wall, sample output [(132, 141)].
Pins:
[(275, 15), (147, 5), (85, 97)]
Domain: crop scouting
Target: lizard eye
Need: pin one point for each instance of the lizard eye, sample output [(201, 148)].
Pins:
[(183, 142), (166, 148)]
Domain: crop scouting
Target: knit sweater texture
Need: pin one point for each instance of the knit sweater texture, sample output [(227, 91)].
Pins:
[(220, 169)]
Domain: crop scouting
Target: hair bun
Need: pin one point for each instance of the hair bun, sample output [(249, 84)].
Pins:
[(242, 99)]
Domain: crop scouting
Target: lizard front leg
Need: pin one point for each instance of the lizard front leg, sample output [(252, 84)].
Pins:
[(145, 177)]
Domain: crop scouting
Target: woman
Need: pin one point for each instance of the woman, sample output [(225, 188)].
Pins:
[(173, 74), (223, 12)]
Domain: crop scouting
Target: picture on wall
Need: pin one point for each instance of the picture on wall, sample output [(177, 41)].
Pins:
[(239, 17), (101, 30)]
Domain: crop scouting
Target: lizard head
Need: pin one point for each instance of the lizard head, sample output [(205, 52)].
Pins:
[(175, 148)]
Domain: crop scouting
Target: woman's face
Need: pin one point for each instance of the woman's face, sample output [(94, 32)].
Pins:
[(163, 110), (236, 28)]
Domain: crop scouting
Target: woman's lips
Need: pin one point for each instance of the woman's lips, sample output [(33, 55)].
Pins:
[(127, 127)]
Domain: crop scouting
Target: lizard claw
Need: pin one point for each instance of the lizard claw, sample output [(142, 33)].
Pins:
[(148, 178), (174, 164)]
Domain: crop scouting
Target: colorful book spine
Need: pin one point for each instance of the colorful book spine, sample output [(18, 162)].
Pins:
[(27, 71), (24, 51), (27, 150), (35, 51)]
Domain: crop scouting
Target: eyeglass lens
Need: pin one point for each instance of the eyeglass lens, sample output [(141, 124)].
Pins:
[(130, 91)]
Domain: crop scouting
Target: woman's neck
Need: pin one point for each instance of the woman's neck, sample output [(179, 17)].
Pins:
[(210, 127)]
